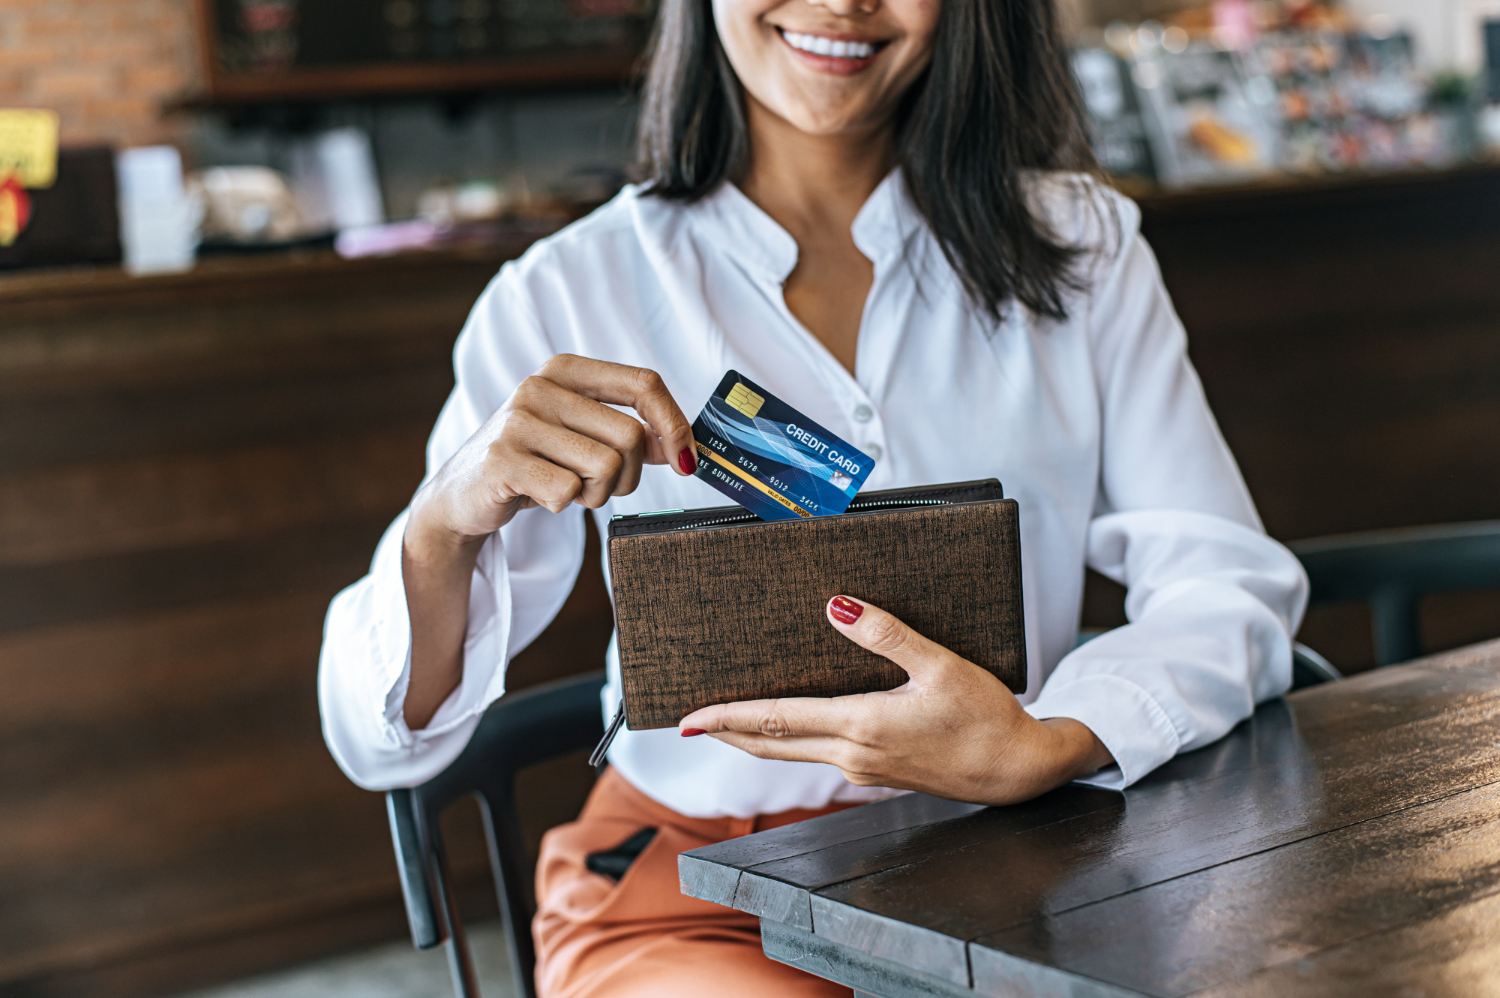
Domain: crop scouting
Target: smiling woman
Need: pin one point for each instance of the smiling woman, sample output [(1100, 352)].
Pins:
[(714, 72), (883, 211)]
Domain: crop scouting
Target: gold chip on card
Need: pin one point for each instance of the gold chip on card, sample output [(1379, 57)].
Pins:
[(744, 399)]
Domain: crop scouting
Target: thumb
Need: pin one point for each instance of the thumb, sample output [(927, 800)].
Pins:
[(871, 627)]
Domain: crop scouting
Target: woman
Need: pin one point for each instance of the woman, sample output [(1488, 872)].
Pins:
[(861, 205)]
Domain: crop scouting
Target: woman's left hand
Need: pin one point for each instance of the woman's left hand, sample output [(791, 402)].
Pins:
[(953, 730)]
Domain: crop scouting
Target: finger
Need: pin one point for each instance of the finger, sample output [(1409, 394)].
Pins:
[(623, 433), (860, 765), (819, 749), (544, 482), (871, 627), (597, 465), (787, 717), (671, 437)]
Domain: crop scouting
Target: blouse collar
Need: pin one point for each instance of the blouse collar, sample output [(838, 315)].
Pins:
[(739, 227)]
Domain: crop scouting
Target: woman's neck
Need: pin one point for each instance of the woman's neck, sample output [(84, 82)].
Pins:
[(814, 186), (812, 183)]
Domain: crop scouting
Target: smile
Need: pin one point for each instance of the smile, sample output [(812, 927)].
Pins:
[(829, 48)]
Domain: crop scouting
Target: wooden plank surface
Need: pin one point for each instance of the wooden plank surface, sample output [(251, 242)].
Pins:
[(1305, 830), (1454, 953), (190, 467), (1276, 906)]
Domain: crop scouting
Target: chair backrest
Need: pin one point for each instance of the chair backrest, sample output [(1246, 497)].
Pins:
[(519, 730), (1393, 569)]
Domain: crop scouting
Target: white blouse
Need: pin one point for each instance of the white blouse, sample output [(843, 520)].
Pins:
[(1097, 425)]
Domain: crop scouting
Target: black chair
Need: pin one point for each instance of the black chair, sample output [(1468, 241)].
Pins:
[(1393, 569), (518, 731), (1311, 669)]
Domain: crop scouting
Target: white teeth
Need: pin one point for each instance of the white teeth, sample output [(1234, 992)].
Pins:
[(818, 45)]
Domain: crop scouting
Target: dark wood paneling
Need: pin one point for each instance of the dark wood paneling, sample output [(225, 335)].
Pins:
[(1348, 338), (322, 557), (190, 468)]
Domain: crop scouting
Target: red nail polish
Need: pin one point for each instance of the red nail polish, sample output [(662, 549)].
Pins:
[(845, 610), (687, 462), (690, 732)]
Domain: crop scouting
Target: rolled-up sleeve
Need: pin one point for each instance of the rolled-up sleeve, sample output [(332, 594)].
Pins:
[(1212, 601), (523, 575)]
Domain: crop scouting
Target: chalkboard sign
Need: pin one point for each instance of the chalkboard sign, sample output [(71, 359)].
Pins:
[(1117, 127), (306, 48)]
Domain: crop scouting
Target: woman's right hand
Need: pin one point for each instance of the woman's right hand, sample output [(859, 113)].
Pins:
[(553, 443)]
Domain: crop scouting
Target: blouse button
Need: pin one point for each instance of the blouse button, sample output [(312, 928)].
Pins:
[(863, 413), (874, 451)]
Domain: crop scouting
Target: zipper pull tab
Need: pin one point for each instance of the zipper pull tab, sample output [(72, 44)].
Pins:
[(597, 759)]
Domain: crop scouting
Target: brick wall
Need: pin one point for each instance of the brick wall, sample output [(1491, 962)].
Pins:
[(106, 66)]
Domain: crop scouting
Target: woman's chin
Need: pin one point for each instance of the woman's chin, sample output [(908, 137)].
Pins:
[(827, 122)]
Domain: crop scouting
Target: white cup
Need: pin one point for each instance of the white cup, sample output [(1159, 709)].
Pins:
[(158, 218)]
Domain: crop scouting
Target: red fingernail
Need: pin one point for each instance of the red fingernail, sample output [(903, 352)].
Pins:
[(687, 462), (690, 732), (845, 610)]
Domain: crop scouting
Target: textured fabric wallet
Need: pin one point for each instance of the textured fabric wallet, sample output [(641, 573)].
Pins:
[(718, 605)]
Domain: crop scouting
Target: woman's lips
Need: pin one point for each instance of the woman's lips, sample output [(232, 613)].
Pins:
[(832, 55)]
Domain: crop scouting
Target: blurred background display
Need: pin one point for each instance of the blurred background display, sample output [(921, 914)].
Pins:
[(1209, 116), (1119, 128), (1233, 91)]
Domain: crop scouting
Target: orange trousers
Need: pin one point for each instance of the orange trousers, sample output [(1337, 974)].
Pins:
[(642, 937)]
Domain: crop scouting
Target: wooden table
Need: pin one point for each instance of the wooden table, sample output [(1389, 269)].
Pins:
[(1344, 841)]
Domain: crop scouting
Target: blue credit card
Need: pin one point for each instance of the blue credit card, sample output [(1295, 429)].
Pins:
[(770, 458)]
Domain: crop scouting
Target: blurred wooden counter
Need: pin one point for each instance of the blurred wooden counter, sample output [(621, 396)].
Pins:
[(191, 466), (1347, 332)]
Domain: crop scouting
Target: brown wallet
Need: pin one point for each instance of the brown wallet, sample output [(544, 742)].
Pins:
[(718, 605)]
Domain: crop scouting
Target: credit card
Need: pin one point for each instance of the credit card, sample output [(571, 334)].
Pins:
[(770, 458)]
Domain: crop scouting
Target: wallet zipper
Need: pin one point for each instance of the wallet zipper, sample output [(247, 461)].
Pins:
[(854, 507), (890, 504)]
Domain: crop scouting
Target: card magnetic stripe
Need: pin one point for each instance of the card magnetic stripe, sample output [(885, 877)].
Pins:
[(757, 483)]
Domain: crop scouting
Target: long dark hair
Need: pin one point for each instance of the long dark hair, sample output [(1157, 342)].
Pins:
[(998, 100)]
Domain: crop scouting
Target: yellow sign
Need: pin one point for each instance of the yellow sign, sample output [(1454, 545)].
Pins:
[(28, 146), (744, 399)]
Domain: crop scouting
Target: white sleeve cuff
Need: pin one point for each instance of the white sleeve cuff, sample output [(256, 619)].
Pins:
[(484, 646), (365, 670), (1122, 715)]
